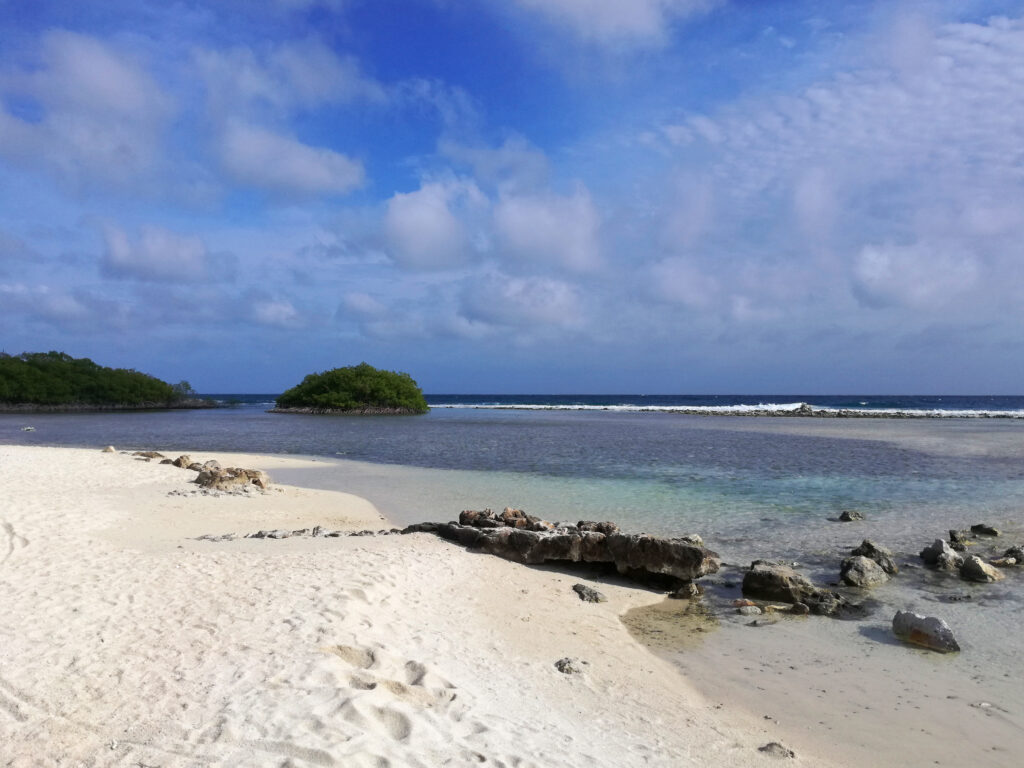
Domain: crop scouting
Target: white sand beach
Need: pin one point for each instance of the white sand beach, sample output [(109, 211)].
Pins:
[(126, 641)]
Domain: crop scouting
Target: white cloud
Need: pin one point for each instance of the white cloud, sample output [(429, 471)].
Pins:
[(425, 228), (535, 303), (102, 117), (550, 229), (515, 166), (275, 313), (917, 276), (274, 81), (265, 159), (363, 304), (157, 255), (638, 23)]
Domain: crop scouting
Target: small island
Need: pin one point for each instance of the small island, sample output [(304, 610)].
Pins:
[(359, 389), (55, 381)]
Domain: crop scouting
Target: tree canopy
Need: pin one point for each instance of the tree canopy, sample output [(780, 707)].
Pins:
[(356, 388), (56, 378)]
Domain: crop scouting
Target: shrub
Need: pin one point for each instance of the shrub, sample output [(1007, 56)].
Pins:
[(355, 388)]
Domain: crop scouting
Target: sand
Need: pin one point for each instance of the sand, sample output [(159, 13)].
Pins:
[(126, 641)]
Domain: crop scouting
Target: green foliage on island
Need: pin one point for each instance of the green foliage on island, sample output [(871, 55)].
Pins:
[(356, 388), (57, 379)]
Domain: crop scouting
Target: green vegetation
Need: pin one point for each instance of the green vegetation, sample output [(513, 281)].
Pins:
[(57, 379), (356, 388)]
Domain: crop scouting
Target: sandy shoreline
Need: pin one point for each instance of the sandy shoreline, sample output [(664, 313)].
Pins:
[(125, 641)]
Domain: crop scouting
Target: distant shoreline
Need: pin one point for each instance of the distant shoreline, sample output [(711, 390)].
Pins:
[(366, 411)]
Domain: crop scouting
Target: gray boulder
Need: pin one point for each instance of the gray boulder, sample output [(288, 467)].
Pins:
[(976, 569), (926, 631), (879, 554), (849, 515), (859, 571)]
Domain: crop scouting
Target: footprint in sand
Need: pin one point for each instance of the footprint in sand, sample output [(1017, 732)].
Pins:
[(9, 541)]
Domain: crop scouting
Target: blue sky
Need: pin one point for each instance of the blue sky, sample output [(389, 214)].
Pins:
[(521, 196)]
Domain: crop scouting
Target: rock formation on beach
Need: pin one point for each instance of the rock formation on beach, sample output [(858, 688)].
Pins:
[(514, 535)]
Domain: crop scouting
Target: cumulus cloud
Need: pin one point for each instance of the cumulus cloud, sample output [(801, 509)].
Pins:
[(98, 117), (640, 23), (425, 229), (515, 166), (551, 229), (73, 311), (280, 163), (522, 302), (156, 255), (274, 80)]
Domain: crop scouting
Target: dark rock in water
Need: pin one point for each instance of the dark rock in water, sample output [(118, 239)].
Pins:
[(774, 749), (1016, 552), (633, 555), (940, 554), (957, 540), (980, 529), (688, 591), (589, 594), (927, 631), (976, 569), (569, 666), (849, 515), (879, 554), (859, 571), (773, 581), (606, 528)]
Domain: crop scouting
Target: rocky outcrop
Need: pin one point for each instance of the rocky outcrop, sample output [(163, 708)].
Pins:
[(767, 580), (981, 529), (879, 554), (514, 535), (232, 477), (976, 569), (859, 571), (850, 515), (926, 631)]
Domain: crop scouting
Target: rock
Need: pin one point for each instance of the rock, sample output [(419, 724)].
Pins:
[(849, 515), (211, 464), (767, 580), (957, 540), (589, 594), (976, 569), (800, 609), (1004, 562), (688, 591), (232, 477), (859, 571), (927, 631), (109, 449), (749, 610), (980, 529), (606, 528), (182, 461), (879, 554), (167, 461), (639, 556), (569, 666), (196, 466), (774, 749), (1016, 552), (940, 554), (693, 538), (149, 455)]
